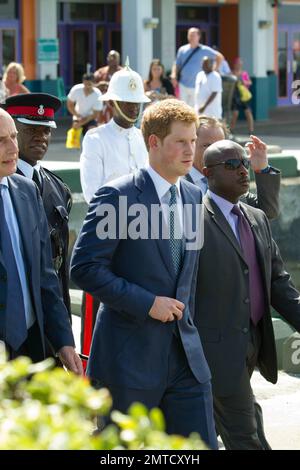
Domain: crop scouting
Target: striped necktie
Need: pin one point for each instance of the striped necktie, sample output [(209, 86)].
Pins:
[(176, 243)]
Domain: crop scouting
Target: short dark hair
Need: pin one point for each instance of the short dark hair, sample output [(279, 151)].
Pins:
[(88, 76)]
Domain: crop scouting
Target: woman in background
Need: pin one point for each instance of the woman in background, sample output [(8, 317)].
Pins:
[(13, 79), (238, 103), (158, 86)]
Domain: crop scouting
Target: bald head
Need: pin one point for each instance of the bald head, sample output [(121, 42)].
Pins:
[(113, 58), (193, 36), (226, 169), (207, 64), (8, 145), (4, 114), (221, 151)]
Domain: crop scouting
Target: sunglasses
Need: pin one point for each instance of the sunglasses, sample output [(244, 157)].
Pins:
[(233, 164)]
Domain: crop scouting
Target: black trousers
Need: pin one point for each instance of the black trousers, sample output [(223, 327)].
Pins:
[(32, 347), (238, 417)]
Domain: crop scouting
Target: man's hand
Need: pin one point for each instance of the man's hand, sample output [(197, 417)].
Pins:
[(77, 124), (70, 359), (257, 154), (174, 82), (166, 309)]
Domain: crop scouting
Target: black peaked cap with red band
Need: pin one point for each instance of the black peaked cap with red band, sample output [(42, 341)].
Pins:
[(33, 108)]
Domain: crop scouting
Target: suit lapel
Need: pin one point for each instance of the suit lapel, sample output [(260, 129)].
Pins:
[(187, 199), (259, 242), (148, 197), (189, 178), (219, 219), (21, 204)]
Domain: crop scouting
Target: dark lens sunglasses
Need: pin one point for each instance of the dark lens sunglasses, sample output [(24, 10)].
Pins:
[(233, 164)]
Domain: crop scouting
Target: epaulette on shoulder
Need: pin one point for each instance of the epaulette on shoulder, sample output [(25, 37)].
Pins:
[(57, 178)]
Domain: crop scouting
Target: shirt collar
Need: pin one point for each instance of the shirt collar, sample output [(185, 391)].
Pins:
[(224, 205), (162, 186), (4, 181), (196, 175), (27, 169), (119, 129)]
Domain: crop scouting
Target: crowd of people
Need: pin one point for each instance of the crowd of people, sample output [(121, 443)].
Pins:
[(175, 256)]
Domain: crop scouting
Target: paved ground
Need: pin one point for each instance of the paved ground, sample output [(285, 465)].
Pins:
[(280, 402)]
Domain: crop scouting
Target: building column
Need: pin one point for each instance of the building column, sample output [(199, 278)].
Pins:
[(28, 38), (46, 20), (257, 49), (164, 37), (137, 38)]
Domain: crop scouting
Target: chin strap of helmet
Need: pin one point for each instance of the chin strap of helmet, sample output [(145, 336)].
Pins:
[(128, 119)]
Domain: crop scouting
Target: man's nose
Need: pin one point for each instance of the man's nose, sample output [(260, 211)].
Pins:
[(243, 170)]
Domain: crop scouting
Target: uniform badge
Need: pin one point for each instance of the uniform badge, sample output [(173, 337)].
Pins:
[(132, 84), (41, 110)]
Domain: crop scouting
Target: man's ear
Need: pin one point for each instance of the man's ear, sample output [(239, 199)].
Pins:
[(153, 141), (206, 171)]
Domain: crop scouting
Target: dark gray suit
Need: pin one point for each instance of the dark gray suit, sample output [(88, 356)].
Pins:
[(267, 198), (222, 299)]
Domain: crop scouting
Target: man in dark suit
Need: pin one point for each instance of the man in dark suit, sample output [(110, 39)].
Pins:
[(33, 114), (267, 178), (30, 306), (241, 274), (145, 346)]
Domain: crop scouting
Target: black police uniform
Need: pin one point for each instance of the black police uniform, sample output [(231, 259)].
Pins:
[(39, 109)]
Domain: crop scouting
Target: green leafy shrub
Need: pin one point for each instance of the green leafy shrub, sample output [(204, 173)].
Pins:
[(45, 408)]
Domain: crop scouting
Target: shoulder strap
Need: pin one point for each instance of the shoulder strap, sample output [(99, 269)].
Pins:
[(188, 58)]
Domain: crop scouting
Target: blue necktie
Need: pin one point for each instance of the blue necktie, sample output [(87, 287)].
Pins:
[(16, 329), (176, 244)]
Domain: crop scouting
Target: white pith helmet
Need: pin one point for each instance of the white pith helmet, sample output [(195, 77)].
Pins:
[(126, 85)]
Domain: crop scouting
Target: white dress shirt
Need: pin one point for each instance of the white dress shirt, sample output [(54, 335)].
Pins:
[(17, 246), (162, 187), (28, 169), (108, 152)]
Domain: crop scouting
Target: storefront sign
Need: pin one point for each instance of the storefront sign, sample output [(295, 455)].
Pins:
[(47, 50)]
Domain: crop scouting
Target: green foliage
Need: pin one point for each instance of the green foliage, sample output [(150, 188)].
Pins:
[(45, 408)]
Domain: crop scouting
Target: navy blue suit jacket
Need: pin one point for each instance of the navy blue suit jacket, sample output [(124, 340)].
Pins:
[(51, 314), (129, 348)]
